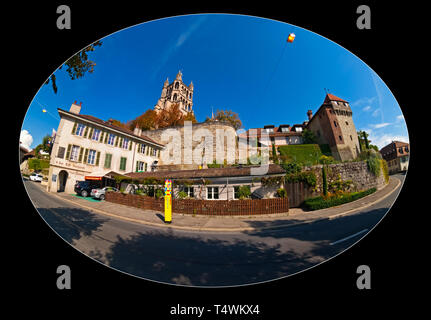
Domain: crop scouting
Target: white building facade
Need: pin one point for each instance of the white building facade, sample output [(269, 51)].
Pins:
[(86, 146)]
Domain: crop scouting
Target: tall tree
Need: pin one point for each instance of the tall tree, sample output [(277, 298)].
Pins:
[(77, 66), (227, 116)]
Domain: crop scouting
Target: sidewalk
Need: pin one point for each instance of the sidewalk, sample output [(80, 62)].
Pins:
[(295, 216)]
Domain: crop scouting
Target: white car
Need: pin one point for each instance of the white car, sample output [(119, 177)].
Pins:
[(100, 193), (36, 177)]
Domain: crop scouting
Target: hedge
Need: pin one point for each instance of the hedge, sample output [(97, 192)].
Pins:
[(322, 203), (38, 164)]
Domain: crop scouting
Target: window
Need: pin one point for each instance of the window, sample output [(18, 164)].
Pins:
[(335, 123), (269, 130), (347, 123), (175, 97), (108, 159), (351, 139), (96, 134), (80, 129), (154, 152), (125, 143), (341, 139), (212, 193), (189, 191), (60, 153), (140, 166), (91, 157), (123, 163), (284, 129), (111, 139), (406, 149), (142, 148), (74, 153)]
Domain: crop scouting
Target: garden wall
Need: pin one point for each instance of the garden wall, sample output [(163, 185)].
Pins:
[(357, 172)]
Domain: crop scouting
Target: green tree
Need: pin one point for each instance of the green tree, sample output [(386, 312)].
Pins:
[(364, 143), (308, 137), (77, 66), (45, 146)]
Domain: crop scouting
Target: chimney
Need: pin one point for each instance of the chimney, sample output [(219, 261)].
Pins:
[(75, 107), (137, 131), (310, 114)]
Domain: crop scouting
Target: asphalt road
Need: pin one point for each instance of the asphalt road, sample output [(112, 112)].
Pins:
[(204, 258)]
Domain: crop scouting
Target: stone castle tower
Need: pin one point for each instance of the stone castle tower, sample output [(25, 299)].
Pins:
[(176, 92), (333, 125)]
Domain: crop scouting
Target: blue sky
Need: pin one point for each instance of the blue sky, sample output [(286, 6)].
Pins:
[(240, 63)]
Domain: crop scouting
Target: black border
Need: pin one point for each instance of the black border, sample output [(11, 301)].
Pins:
[(38, 47)]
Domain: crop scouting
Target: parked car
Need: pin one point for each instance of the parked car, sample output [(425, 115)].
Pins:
[(83, 188), (36, 177), (99, 193)]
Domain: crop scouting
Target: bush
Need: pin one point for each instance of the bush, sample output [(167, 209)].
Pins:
[(159, 193), (182, 195), (282, 193), (320, 202), (244, 192), (326, 160), (292, 167), (306, 176), (385, 170), (324, 182)]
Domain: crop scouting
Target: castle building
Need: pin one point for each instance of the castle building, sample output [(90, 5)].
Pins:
[(332, 124), (176, 92)]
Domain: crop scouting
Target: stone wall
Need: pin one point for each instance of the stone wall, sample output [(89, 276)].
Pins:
[(357, 172), (190, 140)]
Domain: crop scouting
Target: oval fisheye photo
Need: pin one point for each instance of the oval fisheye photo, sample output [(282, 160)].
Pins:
[(213, 150)]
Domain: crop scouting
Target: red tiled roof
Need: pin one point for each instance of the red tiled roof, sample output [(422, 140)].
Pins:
[(110, 125), (331, 97)]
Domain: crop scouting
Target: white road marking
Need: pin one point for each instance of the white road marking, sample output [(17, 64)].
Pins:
[(349, 237)]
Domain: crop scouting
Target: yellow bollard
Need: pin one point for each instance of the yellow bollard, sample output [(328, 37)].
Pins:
[(168, 201)]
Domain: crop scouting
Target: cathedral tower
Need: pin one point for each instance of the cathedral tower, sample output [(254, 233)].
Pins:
[(176, 92)]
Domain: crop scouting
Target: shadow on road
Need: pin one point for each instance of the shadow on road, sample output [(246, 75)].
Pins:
[(71, 223)]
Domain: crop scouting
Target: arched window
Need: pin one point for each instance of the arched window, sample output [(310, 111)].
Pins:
[(175, 97)]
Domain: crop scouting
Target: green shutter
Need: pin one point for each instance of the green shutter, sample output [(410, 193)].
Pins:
[(123, 163), (130, 145), (138, 146), (97, 158), (158, 153), (68, 151), (145, 169), (137, 166), (108, 158), (121, 142), (91, 133), (85, 156), (85, 131), (106, 137), (116, 141), (146, 152), (74, 128), (81, 150)]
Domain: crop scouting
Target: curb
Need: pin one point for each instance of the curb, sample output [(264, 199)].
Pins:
[(91, 209)]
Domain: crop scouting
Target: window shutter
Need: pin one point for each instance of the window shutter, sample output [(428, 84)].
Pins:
[(145, 169), (146, 153), (85, 131), (91, 133), (97, 158), (159, 154), (68, 152), (137, 166), (102, 133), (138, 147), (130, 145), (86, 156), (116, 141), (121, 142), (74, 128), (80, 154)]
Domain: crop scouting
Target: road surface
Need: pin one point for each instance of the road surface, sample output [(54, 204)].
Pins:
[(203, 258)]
